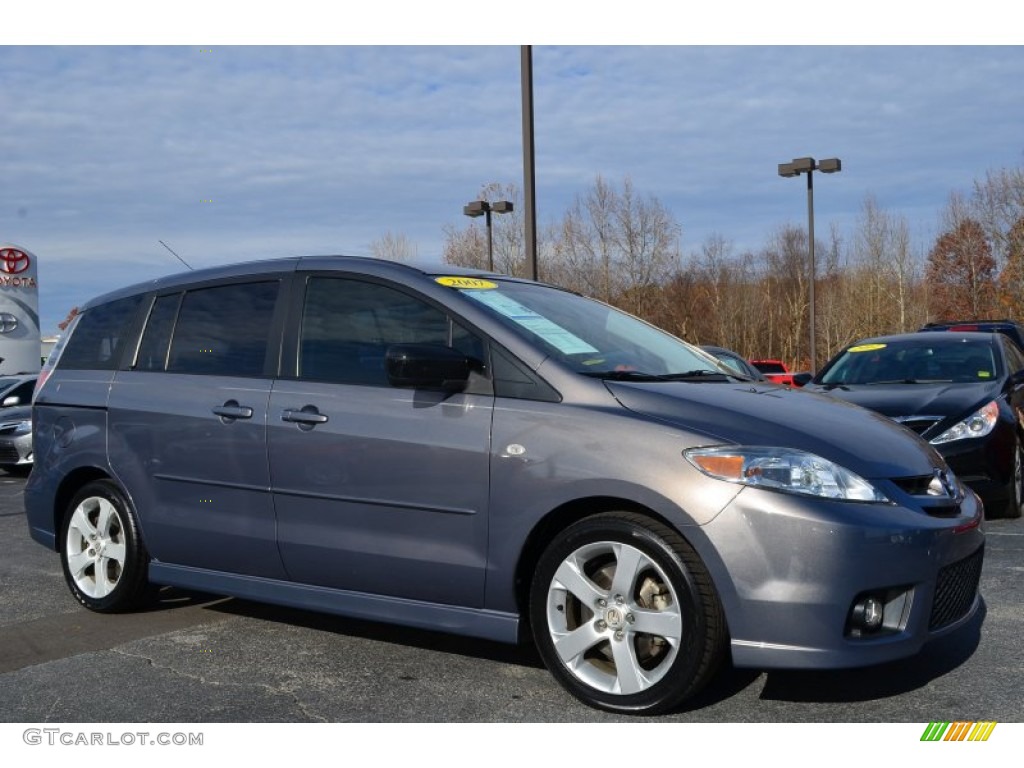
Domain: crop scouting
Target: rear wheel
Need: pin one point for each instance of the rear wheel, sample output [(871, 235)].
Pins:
[(625, 616), (105, 562)]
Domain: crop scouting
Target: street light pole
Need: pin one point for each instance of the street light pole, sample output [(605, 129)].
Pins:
[(529, 161), (789, 170), (484, 208)]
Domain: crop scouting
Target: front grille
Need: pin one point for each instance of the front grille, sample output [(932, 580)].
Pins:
[(955, 590), (915, 486), (9, 455)]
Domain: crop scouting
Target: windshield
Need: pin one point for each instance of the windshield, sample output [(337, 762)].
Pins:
[(588, 336), (913, 362)]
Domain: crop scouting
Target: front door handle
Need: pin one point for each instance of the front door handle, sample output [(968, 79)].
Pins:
[(306, 417), (231, 410)]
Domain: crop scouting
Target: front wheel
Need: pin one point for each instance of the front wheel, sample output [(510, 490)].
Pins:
[(105, 562), (625, 616)]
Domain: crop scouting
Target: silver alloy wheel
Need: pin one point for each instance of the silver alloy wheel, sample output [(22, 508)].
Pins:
[(95, 547), (614, 618)]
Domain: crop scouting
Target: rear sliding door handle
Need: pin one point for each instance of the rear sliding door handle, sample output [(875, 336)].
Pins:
[(231, 410), (306, 417)]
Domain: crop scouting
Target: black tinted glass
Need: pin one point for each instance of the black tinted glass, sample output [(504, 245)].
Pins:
[(348, 325), (224, 330), (99, 336), (157, 336)]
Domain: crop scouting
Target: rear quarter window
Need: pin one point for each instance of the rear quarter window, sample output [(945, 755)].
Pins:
[(99, 336)]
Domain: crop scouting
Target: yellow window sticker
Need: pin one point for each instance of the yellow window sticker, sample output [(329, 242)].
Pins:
[(466, 282), (984, 374), (866, 348)]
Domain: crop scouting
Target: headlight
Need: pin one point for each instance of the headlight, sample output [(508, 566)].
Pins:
[(783, 469), (23, 428), (978, 424)]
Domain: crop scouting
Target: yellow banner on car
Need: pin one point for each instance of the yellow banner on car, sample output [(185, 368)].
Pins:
[(466, 282), (866, 348)]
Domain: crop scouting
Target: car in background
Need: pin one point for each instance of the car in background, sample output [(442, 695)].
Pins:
[(735, 361), (777, 372), (17, 390), (1007, 327), (16, 439), (963, 392)]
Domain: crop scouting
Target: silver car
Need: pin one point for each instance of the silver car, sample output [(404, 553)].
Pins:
[(16, 439), (483, 455)]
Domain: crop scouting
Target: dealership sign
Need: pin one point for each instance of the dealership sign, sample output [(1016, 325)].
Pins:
[(17, 268)]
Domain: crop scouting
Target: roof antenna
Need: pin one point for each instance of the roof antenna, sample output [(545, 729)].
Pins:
[(165, 245)]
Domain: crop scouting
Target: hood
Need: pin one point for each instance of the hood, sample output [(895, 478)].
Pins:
[(15, 413), (952, 402), (753, 414)]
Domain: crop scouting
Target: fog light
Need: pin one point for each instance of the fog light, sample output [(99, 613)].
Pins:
[(867, 614)]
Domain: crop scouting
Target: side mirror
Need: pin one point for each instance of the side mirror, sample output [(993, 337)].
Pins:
[(802, 379), (9, 401), (427, 366)]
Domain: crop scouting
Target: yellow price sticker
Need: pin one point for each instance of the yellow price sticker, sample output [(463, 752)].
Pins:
[(466, 282), (866, 348)]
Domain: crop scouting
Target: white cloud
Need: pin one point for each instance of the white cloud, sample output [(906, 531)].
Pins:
[(309, 149)]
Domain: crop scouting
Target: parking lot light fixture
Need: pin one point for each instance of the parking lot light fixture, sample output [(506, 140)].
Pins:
[(789, 170), (484, 208)]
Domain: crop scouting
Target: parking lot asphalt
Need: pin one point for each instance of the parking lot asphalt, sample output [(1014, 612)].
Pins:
[(203, 658)]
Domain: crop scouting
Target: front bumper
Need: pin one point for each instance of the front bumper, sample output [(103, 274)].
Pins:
[(790, 569), (15, 450), (985, 465)]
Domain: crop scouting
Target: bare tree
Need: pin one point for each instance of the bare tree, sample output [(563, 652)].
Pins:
[(619, 246), (785, 260), (394, 248), (467, 245), (886, 267), (998, 204)]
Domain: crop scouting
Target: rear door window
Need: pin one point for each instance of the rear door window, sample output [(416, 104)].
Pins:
[(223, 330)]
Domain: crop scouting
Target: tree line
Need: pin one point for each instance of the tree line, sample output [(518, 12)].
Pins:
[(623, 247)]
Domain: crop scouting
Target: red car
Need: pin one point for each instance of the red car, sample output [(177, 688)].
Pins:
[(776, 371)]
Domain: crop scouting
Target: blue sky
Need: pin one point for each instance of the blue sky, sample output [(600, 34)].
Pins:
[(314, 149)]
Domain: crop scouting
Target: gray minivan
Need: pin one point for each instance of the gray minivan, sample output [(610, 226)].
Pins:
[(484, 455)]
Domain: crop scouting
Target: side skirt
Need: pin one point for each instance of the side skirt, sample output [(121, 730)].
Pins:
[(473, 622)]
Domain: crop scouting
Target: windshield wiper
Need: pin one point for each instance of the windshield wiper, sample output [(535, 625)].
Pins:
[(702, 374), (911, 381)]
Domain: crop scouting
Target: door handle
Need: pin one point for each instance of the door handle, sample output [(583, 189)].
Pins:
[(231, 410), (305, 417)]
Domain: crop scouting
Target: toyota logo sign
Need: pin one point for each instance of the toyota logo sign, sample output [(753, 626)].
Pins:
[(13, 261)]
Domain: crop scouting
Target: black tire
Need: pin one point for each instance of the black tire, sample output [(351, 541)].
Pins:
[(1013, 506), (104, 559), (600, 653)]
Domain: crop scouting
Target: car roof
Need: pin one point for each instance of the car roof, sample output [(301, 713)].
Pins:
[(363, 264), (951, 337)]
